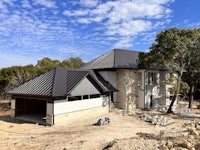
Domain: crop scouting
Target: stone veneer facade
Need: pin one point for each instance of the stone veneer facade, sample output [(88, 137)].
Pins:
[(127, 86)]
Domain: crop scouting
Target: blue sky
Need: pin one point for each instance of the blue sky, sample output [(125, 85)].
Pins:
[(33, 29)]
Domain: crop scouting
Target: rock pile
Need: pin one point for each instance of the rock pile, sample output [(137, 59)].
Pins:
[(156, 119), (101, 122), (188, 138), (4, 106)]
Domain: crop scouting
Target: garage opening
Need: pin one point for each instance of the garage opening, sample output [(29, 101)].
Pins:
[(31, 110)]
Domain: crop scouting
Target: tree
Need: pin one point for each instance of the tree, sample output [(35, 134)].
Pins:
[(72, 62), (174, 50), (192, 74), (15, 75), (46, 64)]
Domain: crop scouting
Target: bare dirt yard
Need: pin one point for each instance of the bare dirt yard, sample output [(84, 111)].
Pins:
[(124, 132)]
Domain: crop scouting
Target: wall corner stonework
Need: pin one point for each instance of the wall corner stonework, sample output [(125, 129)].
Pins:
[(49, 120), (12, 110), (127, 86)]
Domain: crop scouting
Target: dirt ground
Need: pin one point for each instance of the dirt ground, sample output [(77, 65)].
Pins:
[(123, 132)]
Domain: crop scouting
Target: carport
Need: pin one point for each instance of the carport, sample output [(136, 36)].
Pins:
[(46, 98), (31, 110)]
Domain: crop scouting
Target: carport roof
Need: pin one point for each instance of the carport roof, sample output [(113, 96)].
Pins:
[(57, 82)]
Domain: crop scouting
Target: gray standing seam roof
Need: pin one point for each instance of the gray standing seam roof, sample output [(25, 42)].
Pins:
[(57, 82), (116, 58)]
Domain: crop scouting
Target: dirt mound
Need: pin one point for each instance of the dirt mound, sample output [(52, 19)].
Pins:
[(187, 136)]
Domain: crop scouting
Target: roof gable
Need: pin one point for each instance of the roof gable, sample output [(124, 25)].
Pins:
[(85, 87)]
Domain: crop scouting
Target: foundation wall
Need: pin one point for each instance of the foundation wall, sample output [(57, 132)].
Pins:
[(64, 106), (67, 111), (72, 117)]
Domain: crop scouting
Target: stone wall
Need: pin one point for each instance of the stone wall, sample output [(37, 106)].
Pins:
[(12, 110), (127, 86)]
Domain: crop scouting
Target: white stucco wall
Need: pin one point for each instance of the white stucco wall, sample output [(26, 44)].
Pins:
[(152, 89), (63, 106)]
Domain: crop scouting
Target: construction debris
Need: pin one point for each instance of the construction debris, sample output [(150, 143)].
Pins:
[(159, 120), (101, 122)]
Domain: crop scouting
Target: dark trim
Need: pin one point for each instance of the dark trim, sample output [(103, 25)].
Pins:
[(115, 51), (31, 97), (53, 82), (59, 98), (110, 87), (94, 83), (105, 69), (69, 92)]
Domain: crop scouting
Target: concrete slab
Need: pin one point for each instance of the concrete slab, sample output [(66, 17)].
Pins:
[(33, 118)]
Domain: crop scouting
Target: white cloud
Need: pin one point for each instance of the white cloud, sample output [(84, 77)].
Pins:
[(123, 43), (75, 13), (89, 3), (130, 28), (8, 2), (26, 4), (125, 18), (194, 25), (32, 27), (10, 59), (26, 32), (84, 20), (46, 3)]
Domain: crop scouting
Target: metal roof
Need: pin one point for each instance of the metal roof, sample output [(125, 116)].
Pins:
[(116, 58), (57, 82)]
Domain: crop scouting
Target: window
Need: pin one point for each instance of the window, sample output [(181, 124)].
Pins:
[(74, 98), (85, 96), (139, 79), (151, 78), (95, 96)]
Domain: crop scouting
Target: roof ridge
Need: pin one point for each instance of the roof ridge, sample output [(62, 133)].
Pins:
[(118, 49), (100, 56), (53, 81), (114, 61)]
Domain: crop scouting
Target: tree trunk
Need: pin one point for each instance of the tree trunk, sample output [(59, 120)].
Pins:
[(191, 96), (171, 104), (175, 97)]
